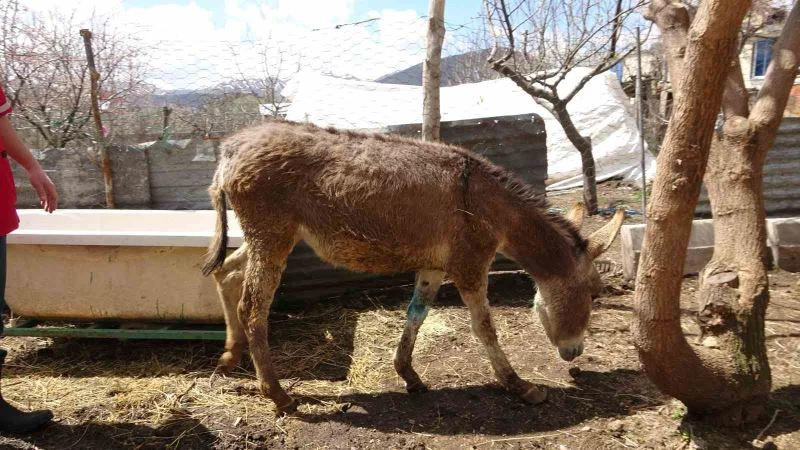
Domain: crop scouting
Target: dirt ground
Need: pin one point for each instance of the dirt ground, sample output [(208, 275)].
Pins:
[(336, 358)]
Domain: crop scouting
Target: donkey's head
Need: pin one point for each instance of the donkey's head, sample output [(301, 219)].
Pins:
[(564, 303)]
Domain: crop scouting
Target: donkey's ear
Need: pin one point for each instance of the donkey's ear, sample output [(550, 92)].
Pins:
[(602, 239), (577, 214)]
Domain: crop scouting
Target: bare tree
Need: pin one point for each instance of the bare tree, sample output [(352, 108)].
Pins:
[(253, 93), (47, 77), (211, 112), (538, 43), (275, 67), (728, 378)]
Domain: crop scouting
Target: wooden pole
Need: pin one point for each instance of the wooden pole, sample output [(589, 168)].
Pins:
[(640, 120), (105, 163), (431, 72)]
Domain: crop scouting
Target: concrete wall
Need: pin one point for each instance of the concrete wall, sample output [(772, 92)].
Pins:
[(158, 175), (77, 175), (180, 172)]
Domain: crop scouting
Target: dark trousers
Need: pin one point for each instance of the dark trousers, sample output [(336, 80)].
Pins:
[(2, 278)]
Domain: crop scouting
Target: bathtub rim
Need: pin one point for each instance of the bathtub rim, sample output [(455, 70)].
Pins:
[(96, 237)]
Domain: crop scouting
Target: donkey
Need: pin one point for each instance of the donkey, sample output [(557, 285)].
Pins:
[(385, 204)]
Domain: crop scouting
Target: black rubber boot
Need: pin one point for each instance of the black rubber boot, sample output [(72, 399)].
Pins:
[(15, 421)]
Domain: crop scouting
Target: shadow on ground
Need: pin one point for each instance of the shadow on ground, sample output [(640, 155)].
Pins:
[(490, 409), (783, 406), (178, 431)]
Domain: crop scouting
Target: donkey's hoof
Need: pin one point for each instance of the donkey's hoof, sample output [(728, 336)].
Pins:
[(535, 395), (227, 362), (289, 408)]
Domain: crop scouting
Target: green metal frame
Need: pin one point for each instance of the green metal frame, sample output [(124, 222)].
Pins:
[(112, 331)]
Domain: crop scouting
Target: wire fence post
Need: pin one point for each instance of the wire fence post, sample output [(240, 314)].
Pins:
[(640, 119), (105, 163), (431, 72), (166, 111)]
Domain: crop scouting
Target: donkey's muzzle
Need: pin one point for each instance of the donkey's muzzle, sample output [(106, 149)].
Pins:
[(570, 352)]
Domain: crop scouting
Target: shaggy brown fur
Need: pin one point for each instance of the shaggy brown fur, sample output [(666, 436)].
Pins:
[(384, 204)]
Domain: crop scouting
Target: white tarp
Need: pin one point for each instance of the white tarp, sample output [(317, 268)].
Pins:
[(601, 110)]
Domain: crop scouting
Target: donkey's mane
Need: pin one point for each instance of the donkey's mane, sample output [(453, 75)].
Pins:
[(525, 193)]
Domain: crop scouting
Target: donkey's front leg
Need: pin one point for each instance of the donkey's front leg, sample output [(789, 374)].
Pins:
[(427, 285), (483, 328)]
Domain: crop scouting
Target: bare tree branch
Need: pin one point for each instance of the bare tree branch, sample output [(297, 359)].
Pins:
[(569, 35), (46, 75)]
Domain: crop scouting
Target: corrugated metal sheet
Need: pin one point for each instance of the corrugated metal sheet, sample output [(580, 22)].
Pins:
[(518, 143), (307, 277), (781, 173)]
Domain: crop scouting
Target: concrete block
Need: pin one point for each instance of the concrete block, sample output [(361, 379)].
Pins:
[(701, 247), (783, 236), (783, 240)]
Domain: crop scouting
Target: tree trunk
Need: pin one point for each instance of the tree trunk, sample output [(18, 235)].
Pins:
[(431, 73), (589, 180), (691, 375), (732, 312), (584, 146), (105, 162), (734, 290)]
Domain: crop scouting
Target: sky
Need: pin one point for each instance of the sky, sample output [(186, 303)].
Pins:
[(197, 42), (456, 11)]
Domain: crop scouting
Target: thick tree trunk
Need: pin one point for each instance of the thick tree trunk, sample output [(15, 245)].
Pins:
[(734, 289), (667, 358), (734, 292)]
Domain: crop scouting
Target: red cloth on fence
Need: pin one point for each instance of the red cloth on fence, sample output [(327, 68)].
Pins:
[(9, 221)]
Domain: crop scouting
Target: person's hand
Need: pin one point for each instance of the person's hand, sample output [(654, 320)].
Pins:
[(45, 189)]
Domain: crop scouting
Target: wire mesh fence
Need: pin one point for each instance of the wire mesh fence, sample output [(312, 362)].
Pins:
[(160, 87), (192, 88)]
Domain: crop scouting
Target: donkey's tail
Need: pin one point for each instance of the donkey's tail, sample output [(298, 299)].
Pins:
[(219, 245)]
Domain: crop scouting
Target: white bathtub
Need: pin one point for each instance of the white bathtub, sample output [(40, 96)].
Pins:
[(93, 265)]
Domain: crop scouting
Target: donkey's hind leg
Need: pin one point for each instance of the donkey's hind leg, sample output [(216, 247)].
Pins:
[(267, 259), (474, 296), (229, 279), (427, 285)]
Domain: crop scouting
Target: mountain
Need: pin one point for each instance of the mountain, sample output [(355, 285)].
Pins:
[(469, 67)]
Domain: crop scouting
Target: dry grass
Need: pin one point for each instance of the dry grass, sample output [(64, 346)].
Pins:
[(166, 394)]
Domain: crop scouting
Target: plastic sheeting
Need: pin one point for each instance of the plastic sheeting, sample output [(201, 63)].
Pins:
[(601, 111)]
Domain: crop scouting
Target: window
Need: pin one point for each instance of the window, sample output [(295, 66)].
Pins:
[(762, 54)]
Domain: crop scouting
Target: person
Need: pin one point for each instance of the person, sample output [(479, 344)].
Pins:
[(12, 420)]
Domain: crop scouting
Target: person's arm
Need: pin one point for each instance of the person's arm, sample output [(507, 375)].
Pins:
[(45, 189)]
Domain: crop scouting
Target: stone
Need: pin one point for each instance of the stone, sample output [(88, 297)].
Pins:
[(615, 425)]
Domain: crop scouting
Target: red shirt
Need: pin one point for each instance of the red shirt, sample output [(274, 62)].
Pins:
[(9, 221)]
